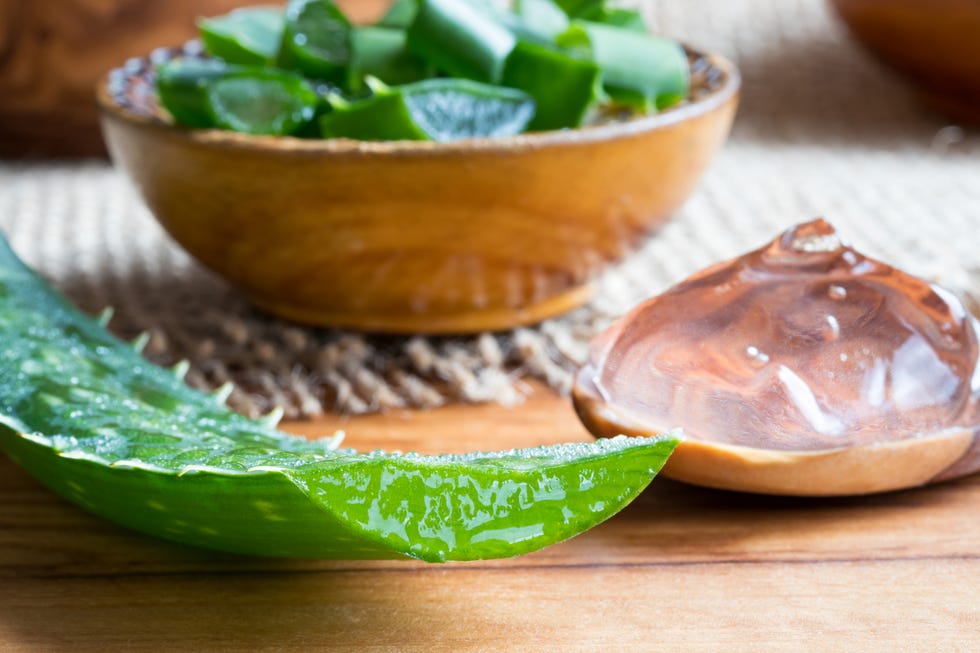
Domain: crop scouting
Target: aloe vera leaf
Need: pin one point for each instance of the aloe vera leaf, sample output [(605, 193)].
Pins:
[(541, 17), (264, 101), (433, 109), (127, 440), (564, 88), (400, 14), (249, 36), (451, 109), (641, 70), (380, 117), (460, 39), (381, 52), (623, 18), (316, 41), (182, 89)]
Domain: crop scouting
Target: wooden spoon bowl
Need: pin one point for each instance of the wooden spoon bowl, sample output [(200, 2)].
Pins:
[(845, 471), (417, 237), (801, 368)]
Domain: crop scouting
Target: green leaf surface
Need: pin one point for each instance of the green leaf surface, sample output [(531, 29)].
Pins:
[(249, 36), (542, 17), (639, 69), (381, 52), (434, 109), (451, 109), (267, 102), (88, 417), (400, 14), (317, 41), (182, 89), (564, 88), (460, 39)]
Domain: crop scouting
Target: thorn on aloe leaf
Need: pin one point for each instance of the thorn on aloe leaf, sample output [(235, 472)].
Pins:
[(221, 394), (181, 368), (140, 342), (105, 316), (273, 417), (334, 441)]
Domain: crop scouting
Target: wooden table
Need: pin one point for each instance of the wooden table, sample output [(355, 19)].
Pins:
[(681, 569)]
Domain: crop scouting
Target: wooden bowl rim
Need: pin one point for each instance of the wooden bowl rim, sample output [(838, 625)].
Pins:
[(726, 91)]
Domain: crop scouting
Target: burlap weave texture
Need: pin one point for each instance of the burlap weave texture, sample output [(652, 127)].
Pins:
[(822, 130)]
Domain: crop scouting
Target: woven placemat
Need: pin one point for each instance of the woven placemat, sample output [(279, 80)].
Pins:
[(822, 130)]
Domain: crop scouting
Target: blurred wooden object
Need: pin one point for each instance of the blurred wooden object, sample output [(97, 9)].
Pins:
[(935, 43), (52, 52)]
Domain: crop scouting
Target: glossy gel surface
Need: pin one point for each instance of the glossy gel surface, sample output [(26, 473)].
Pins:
[(805, 344)]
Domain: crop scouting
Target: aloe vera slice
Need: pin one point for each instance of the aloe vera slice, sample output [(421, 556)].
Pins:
[(249, 36), (564, 88), (460, 39), (266, 101), (434, 109), (542, 17), (316, 41), (640, 70), (381, 52), (400, 14), (87, 416), (182, 88), (623, 18)]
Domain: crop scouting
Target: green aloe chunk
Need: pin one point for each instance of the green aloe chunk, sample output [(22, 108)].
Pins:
[(91, 419), (460, 39), (317, 41), (182, 89), (248, 36), (400, 14), (640, 70), (265, 101), (564, 88), (451, 109), (381, 117), (586, 9), (381, 52), (541, 18), (434, 109), (247, 99), (630, 19)]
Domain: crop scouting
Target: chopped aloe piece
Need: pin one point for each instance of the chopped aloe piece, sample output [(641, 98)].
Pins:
[(641, 70), (126, 440), (400, 14), (435, 109), (262, 102), (630, 19), (564, 88), (460, 39), (380, 52), (586, 9), (316, 41), (249, 36), (543, 17), (182, 88), (381, 117), (451, 109)]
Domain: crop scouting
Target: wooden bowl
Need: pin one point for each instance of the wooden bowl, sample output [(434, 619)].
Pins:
[(475, 235), (935, 43)]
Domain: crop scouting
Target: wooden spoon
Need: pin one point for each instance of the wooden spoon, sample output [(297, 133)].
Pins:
[(802, 368)]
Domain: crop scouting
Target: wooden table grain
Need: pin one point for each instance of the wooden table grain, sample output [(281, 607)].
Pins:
[(683, 569)]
